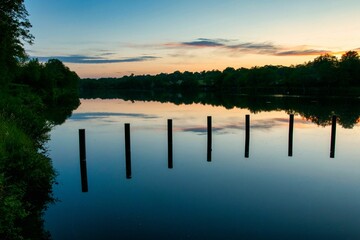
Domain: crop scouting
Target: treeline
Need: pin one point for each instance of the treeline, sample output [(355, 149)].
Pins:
[(324, 72), (29, 91), (53, 82)]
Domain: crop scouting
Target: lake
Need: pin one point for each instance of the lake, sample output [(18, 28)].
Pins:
[(225, 193)]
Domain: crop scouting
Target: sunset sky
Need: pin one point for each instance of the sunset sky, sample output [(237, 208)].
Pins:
[(114, 38)]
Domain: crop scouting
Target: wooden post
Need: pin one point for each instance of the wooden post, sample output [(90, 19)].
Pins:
[(127, 151), (209, 138), (83, 170), (170, 144), (82, 145), (333, 136), (291, 133), (247, 135)]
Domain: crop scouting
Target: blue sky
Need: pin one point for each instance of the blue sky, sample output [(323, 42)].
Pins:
[(114, 38)]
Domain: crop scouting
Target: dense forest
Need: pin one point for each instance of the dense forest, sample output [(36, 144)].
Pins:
[(29, 91), (326, 74)]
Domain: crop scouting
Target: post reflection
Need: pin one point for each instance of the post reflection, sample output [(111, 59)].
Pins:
[(83, 174), (83, 170)]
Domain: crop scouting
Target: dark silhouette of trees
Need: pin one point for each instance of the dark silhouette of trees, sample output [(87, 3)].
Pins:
[(52, 81), (29, 91), (350, 68), (325, 74), (326, 70), (14, 29)]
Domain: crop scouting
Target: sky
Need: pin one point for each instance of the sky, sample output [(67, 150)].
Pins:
[(113, 38)]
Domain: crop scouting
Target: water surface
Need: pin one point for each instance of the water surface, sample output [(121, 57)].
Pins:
[(268, 195)]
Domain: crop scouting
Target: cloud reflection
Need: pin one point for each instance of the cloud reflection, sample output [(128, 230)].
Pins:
[(200, 130), (259, 124), (104, 115)]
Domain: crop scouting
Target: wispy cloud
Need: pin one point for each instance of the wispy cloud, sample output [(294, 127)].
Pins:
[(233, 46), (253, 47), (305, 52), (107, 53), (203, 42), (197, 43), (82, 59)]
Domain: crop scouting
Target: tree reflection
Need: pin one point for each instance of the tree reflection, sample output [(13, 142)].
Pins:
[(318, 110)]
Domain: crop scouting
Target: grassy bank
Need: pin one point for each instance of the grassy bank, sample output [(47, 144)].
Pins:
[(26, 173), (26, 178)]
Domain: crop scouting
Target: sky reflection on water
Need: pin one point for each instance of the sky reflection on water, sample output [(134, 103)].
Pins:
[(268, 195)]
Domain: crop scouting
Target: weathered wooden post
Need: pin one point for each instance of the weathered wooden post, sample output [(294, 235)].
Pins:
[(209, 138), (247, 135), (333, 136), (291, 134), (82, 145), (170, 144), (83, 170), (127, 151)]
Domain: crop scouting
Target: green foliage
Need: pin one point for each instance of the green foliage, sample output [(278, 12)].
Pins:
[(11, 209), (25, 110), (26, 174), (14, 29), (52, 81), (26, 178), (28, 91)]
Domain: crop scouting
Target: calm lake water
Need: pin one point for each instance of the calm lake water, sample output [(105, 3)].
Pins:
[(267, 195)]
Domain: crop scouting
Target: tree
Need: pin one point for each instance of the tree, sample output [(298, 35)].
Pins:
[(350, 67), (228, 80), (14, 31), (30, 74), (326, 68)]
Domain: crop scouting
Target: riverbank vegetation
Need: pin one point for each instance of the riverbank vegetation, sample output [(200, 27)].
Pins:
[(326, 74), (29, 90), (38, 97)]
